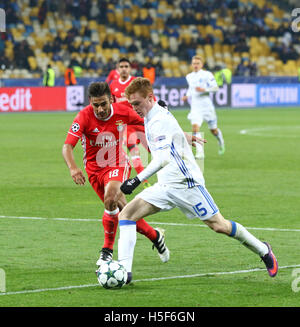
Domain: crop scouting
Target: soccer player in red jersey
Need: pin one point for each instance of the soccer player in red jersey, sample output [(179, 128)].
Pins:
[(117, 88), (100, 126), (113, 75)]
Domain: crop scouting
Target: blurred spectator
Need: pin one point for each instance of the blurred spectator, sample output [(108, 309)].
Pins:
[(11, 16), (76, 67), (33, 3), (49, 77), (252, 69), (133, 48), (149, 72), (5, 63), (47, 48), (110, 43), (135, 68), (43, 12), (222, 75), (70, 78), (241, 47), (21, 53), (2, 46), (246, 68), (102, 16)]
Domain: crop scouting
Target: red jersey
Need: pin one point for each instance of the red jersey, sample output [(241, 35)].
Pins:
[(113, 75), (117, 88), (102, 139)]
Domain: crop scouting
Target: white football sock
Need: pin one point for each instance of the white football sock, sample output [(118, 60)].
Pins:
[(240, 233), (219, 137), (199, 147), (126, 244)]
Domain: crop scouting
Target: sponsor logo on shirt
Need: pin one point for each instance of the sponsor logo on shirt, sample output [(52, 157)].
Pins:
[(160, 138), (120, 126)]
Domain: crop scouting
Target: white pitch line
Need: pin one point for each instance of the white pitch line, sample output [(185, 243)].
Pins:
[(267, 131), (218, 273), (150, 222)]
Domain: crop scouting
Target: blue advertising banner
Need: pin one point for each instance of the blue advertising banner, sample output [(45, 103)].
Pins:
[(277, 94)]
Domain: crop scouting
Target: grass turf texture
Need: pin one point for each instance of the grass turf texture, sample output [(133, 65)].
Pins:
[(255, 183)]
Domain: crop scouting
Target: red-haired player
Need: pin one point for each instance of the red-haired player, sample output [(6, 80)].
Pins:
[(135, 134)]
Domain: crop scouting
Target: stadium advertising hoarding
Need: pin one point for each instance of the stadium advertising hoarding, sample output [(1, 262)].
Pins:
[(278, 94), (243, 95), (259, 95), (172, 95), (26, 99), (74, 98)]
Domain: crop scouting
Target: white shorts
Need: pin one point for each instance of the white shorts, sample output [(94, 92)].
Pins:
[(194, 202), (203, 110)]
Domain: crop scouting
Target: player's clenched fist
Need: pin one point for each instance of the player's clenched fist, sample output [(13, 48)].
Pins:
[(129, 185)]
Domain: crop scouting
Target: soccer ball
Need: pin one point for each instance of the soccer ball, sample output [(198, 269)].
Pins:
[(111, 275)]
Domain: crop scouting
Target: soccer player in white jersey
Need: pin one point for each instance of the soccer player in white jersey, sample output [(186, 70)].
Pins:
[(180, 183), (200, 84)]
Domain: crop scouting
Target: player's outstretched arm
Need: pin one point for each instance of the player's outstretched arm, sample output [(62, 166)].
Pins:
[(75, 172)]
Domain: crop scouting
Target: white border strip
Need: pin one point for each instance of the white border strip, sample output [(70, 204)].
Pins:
[(147, 280), (149, 222)]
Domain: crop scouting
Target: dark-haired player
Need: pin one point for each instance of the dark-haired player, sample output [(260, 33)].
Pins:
[(100, 126)]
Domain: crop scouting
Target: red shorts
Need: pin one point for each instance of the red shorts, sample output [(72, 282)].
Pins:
[(102, 178)]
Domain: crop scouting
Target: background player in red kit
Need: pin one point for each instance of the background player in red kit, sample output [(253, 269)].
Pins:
[(99, 126), (117, 88), (113, 75)]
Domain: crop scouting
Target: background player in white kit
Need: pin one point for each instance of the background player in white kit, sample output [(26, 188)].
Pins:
[(180, 182), (200, 84)]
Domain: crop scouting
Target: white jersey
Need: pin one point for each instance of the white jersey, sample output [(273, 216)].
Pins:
[(204, 79), (166, 139)]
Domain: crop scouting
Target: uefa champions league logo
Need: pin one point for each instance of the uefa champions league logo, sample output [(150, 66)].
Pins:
[(2, 21), (296, 22)]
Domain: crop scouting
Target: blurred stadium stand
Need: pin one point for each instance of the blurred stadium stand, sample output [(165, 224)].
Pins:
[(251, 37)]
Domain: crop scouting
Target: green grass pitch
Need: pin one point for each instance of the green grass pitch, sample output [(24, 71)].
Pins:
[(51, 262)]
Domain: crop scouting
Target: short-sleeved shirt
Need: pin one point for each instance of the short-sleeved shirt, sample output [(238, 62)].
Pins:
[(117, 88), (102, 139), (204, 79)]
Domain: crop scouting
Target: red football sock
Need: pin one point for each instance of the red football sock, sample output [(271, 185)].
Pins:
[(137, 163), (110, 224), (144, 228)]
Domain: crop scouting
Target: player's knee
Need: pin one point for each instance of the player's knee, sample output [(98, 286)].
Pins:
[(214, 131), (110, 203), (123, 216)]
